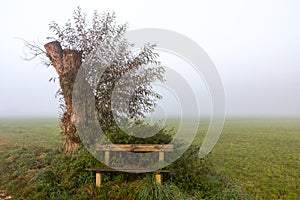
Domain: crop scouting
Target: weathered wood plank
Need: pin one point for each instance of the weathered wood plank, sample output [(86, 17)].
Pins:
[(106, 158), (99, 178), (161, 156), (126, 169), (136, 147)]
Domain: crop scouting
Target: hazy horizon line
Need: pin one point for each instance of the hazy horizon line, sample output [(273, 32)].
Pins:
[(171, 117)]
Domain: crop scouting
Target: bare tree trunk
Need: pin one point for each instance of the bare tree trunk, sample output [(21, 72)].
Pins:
[(66, 63)]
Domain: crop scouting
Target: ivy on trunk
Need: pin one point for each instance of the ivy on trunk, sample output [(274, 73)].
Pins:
[(66, 63)]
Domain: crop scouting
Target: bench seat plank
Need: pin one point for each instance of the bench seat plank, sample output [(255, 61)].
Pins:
[(136, 147)]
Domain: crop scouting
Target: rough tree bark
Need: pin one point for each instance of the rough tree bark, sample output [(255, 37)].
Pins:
[(66, 63)]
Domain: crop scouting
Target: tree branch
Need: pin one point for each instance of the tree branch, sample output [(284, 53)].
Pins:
[(55, 53)]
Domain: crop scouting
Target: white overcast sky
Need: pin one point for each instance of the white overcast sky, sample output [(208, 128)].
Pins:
[(255, 45)]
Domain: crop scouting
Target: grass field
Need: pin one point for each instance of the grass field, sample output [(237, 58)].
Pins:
[(26, 132), (262, 155)]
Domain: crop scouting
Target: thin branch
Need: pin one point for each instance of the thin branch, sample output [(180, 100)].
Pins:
[(34, 50)]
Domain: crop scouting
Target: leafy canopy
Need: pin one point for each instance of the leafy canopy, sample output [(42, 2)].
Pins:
[(122, 74)]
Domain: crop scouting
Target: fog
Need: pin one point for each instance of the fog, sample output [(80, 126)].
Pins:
[(253, 44)]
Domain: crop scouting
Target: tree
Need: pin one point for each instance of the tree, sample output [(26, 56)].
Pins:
[(72, 44)]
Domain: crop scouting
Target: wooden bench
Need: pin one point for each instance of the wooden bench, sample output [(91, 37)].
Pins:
[(160, 148)]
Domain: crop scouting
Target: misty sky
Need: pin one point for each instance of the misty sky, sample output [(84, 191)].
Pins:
[(255, 45)]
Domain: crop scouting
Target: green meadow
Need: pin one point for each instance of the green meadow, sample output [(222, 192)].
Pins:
[(261, 155)]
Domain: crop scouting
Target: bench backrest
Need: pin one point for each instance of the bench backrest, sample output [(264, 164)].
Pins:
[(160, 148)]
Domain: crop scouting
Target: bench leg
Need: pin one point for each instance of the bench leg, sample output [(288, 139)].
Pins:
[(158, 178), (99, 178)]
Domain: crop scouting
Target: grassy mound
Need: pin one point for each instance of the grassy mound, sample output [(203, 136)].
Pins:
[(41, 173)]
